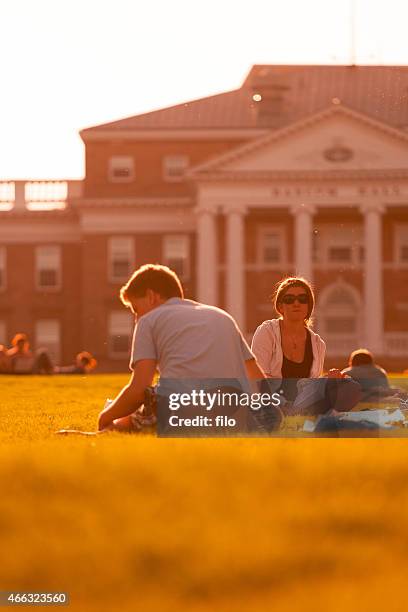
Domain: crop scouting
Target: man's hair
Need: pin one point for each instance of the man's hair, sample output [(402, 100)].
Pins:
[(294, 281), (361, 357), (158, 278)]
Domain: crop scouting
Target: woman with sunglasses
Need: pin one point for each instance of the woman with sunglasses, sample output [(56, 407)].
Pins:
[(287, 349)]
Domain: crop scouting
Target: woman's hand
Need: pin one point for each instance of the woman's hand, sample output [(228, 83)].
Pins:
[(335, 373)]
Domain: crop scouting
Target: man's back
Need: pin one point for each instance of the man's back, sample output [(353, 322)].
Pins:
[(190, 340)]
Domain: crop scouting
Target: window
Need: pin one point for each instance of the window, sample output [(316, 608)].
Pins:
[(2, 268), (120, 331), (270, 245), (7, 195), (3, 338), (47, 335), (176, 255), (338, 312), (121, 170), (401, 244), (404, 253), (341, 244), (120, 258), (174, 167), (48, 268), (340, 254), (340, 325)]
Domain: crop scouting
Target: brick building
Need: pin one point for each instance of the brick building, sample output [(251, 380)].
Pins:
[(303, 169)]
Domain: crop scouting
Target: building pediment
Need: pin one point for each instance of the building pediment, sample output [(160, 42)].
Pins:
[(336, 139)]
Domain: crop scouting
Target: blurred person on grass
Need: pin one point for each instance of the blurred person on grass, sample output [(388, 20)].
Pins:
[(84, 363), (20, 357), (372, 379), (21, 360)]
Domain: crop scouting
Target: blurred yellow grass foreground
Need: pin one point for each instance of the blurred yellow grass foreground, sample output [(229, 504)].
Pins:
[(138, 523)]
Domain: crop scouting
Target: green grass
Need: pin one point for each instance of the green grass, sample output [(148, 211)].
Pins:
[(138, 523)]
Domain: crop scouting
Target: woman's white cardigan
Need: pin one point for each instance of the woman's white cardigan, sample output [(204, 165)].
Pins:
[(267, 348)]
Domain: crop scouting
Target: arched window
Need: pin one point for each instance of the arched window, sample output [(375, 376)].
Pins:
[(338, 317), (340, 312)]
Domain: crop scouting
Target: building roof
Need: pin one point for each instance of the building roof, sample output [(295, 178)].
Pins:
[(217, 163), (288, 93)]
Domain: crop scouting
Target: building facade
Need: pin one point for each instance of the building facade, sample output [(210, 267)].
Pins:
[(302, 170)]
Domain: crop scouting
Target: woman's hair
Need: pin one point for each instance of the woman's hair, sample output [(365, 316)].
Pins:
[(87, 360), (294, 281), (158, 278)]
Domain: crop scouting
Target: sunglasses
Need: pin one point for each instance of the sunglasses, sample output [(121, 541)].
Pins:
[(303, 298)]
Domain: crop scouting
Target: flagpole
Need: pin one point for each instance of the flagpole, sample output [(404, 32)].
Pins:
[(353, 32)]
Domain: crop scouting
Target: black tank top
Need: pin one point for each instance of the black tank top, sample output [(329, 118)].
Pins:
[(291, 371)]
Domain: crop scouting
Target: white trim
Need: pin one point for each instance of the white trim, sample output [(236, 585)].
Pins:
[(259, 176), (137, 222), (24, 231), (341, 267), (183, 134), (118, 202)]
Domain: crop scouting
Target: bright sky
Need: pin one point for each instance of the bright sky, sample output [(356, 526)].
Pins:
[(69, 64)]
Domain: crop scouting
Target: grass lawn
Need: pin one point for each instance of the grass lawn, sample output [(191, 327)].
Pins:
[(138, 523)]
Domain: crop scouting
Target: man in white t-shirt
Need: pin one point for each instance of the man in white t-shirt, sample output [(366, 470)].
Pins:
[(182, 339)]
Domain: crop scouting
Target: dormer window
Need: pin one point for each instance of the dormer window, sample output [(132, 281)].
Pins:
[(121, 169), (174, 167)]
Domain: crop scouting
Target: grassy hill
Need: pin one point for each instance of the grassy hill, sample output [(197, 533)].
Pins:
[(139, 523)]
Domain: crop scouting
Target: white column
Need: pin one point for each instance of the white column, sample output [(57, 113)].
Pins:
[(373, 278), (19, 195), (207, 264), (235, 269), (303, 218)]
